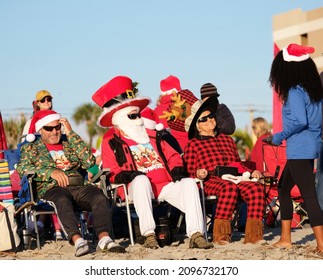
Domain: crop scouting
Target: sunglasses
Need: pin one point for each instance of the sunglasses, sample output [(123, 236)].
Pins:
[(51, 128), (204, 119), (134, 116), (46, 98)]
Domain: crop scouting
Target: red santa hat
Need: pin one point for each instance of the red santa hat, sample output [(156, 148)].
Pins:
[(114, 95), (297, 53), (40, 119), (169, 85), (150, 119)]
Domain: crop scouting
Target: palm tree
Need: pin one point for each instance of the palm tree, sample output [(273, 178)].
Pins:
[(89, 113), (244, 143), (13, 130)]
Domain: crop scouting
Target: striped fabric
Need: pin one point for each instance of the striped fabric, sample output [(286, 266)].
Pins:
[(5, 184)]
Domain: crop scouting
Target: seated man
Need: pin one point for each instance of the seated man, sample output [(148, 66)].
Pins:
[(55, 160), (160, 175)]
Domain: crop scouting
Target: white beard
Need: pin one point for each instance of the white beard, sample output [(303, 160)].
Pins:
[(134, 129)]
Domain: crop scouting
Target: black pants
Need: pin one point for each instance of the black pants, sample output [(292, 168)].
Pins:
[(299, 172), (86, 198)]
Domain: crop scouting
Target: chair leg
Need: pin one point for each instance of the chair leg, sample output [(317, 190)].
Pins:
[(128, 216), (36, 230)]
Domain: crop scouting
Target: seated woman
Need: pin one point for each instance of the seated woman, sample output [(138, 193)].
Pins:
[(207, 149), (260, 128)]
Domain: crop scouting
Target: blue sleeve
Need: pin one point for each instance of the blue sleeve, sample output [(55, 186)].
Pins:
[(294, 116)]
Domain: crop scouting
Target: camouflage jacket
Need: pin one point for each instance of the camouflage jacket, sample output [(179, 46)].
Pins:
[(35, 157)]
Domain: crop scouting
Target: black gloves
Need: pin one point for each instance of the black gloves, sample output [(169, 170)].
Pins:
[(178, 173), (125, 177)]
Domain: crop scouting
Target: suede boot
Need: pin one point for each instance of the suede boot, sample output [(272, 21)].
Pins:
[(222, 231), (254, 231)]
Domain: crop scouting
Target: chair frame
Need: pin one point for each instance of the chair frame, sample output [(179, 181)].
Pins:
[(272, 179)]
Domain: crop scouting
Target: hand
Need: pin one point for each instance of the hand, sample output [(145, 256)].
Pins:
[(256, 174), (60, 177), (67, 126), (201, 173), (269, 140)]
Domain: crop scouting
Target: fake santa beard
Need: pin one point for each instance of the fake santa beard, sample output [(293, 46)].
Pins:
[(134, 129)]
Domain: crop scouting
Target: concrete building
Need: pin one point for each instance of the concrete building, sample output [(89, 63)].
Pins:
[(303, 28)]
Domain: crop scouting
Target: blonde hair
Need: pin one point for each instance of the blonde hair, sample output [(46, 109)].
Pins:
[(260, 126)]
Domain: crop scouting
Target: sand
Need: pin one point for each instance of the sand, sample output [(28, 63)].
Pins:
[(303, 249)]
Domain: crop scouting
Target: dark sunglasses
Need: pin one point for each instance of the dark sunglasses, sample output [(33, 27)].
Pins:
[(134, 116), (204, 119), (51, 128), (46, 98)]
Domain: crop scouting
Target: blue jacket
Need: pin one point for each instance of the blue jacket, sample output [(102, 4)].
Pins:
[(302, 125)]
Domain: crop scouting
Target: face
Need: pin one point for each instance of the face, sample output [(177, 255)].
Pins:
[(51, 137), (206, 123), (45, 103)]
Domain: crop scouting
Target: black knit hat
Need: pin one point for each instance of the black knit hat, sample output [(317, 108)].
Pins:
[(208, 90)]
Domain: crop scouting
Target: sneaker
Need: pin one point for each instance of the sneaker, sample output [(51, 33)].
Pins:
[(198, 241), (151, 241), (82, 249), (111, 246)]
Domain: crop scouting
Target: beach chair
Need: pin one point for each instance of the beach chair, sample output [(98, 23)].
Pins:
[(29, 207), (163, 214), (274, 162)]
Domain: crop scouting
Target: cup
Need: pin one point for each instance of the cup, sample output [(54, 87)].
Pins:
[(26, 237)]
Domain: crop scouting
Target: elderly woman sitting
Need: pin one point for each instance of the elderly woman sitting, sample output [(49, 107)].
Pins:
[(206, 150)]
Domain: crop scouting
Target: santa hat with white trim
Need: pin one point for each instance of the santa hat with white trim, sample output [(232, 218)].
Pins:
[(169, 85), (150, 119), (297, 53), (116, 94), (40, 119)]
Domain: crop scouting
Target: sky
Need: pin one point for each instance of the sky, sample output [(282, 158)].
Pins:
[(73, 47)]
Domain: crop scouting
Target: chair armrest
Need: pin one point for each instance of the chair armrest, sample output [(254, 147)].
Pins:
[(98, 176)]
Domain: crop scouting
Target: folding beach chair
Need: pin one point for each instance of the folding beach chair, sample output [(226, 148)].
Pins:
[(274, 162)]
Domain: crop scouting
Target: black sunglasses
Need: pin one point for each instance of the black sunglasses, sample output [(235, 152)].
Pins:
[(134, 116), (51, 128), (46, 98), (204, 119)]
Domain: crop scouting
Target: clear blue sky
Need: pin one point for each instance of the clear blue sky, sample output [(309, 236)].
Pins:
[(72, 47)]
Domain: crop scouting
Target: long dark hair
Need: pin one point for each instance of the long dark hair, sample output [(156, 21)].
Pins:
[(286, 75)]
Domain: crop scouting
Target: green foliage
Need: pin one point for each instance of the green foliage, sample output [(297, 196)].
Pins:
[(13, 128), (243, 141), (88, 114)]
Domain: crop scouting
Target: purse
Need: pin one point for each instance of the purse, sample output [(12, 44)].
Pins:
[(222, 169)]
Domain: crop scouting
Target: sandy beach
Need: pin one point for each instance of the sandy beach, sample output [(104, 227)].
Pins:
[(303, 249)]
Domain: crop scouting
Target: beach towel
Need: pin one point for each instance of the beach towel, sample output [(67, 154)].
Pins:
[(5, 183)]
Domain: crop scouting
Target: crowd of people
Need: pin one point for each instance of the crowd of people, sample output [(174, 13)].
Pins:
[(159, 152)]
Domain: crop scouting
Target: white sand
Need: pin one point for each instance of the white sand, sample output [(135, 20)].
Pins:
[(303, 249)]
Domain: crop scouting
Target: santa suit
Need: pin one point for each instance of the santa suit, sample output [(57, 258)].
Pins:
[(164, 180)]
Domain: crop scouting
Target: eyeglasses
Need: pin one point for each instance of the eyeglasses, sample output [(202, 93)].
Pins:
[(51, 128), (134, 116), (204, 119), (46, 98)]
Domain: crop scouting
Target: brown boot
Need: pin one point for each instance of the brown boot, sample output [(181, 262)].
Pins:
[(254, 231), (198, 241), (151, 241), (222, 231)]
